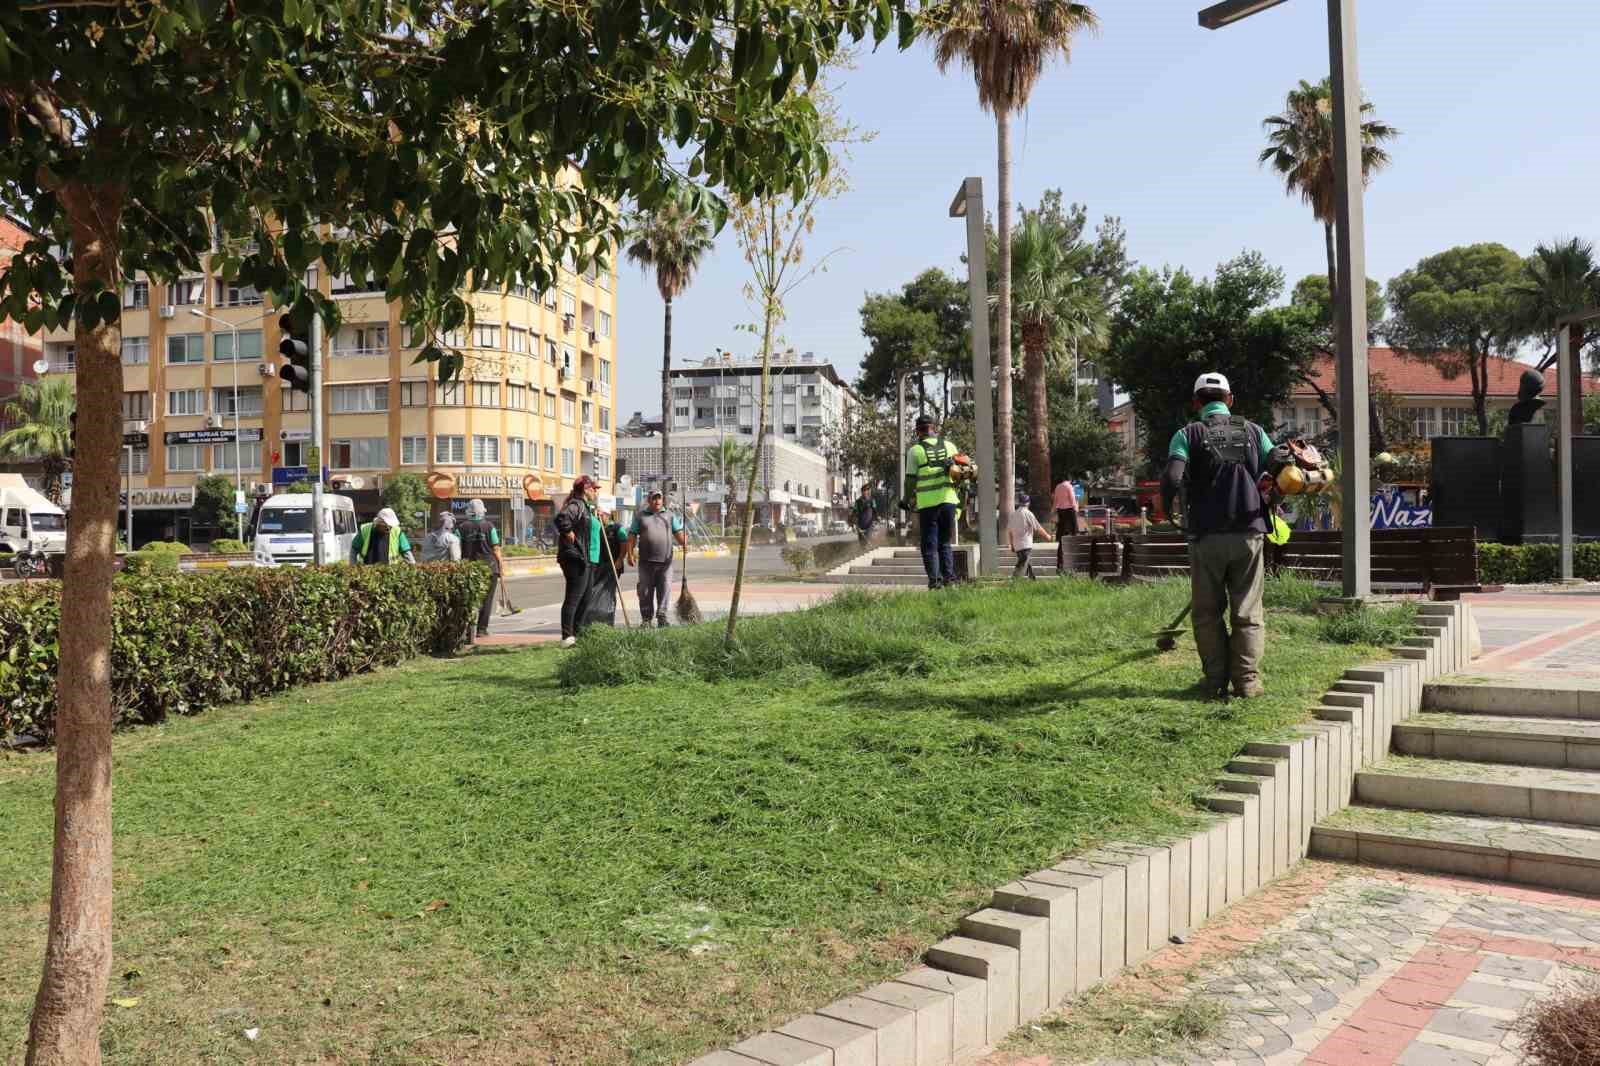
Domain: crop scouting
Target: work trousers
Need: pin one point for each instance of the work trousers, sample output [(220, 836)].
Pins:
[(578, 575), (1024, 565), (938, 543), (655, 586), (1225, 574), (487, 608), (1066, 526)]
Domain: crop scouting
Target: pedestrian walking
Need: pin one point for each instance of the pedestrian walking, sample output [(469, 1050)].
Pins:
[(1021, 528), (578, 553), (651, 537), (1219, 459), (381, 541), (865, 512), (480, 543), (931, 490), (442, 545)]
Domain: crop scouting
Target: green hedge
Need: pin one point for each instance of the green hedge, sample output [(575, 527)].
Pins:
[(1534, 564), (150, 562), (187, 642), (229, 546)]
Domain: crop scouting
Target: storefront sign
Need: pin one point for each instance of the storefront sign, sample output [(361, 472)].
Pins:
[(294, 434), (136, 440), (1393, 511), (533, 487), (213, 436), (597, 442), (288, 475), (161, 499), (444, 486)]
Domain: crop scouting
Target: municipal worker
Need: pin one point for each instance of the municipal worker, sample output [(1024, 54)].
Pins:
[(930, 489), (1219, 458), (381, 541), (480, 543), (650, 543)]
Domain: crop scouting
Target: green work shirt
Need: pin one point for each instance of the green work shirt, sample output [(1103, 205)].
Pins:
[(595, 532), (1179, 448), (927, 472)]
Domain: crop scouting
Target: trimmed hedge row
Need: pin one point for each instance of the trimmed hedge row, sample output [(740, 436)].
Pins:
[(184, 643), (1534, 564)]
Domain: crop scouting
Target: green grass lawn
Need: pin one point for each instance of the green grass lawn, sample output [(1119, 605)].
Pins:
[(483, 861)]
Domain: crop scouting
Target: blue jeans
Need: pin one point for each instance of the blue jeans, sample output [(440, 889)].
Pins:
[(938, 543)]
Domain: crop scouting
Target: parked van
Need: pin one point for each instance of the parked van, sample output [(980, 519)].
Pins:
[(29, 522), (283, 529)]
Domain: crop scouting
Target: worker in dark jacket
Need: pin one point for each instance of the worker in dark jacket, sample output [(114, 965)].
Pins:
[(577, 553)]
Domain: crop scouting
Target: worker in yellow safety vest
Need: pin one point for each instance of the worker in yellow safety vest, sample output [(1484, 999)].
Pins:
[(932, 491)]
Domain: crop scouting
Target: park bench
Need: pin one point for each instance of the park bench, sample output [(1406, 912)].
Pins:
[(1093, 555)]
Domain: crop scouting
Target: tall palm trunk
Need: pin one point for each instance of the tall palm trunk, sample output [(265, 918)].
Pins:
[(1002, 399), (69, 1006), (1039, 482), (1374, 424), (666, 383), (1575, 335)]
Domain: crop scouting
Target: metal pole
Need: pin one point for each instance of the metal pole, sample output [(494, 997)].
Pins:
[(238, 475), (969, 204), (127, 499), (1351, 312), (1564, 430), (900, 433), (319, 554)]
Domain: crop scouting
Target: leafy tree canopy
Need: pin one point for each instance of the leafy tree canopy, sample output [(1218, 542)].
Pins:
[(1312, 291), (213, 505), (1171, 327), (926, 324), (408, 495)]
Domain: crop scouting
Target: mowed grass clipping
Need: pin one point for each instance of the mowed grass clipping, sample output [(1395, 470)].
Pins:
[(633, 852)]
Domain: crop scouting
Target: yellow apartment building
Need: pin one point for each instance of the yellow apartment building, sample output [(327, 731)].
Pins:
[(533, 408)]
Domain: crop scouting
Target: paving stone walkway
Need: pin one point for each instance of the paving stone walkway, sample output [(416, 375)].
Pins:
[(1338, 965)]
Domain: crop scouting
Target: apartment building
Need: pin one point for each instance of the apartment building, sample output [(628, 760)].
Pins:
[(19, 350), (719, 393), (532, 409)]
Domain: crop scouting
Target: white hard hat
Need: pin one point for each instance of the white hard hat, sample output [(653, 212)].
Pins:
[(1211, 380)]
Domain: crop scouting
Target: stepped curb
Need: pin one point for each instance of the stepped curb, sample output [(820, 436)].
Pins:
[(1054, 933)]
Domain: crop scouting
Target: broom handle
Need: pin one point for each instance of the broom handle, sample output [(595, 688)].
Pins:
[(616, 578)]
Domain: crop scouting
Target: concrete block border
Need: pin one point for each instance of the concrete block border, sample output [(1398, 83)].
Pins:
[(1054, 933)]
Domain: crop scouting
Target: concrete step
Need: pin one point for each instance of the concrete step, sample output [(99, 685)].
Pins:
[(1564, 743), (1042, 569), (1517, 693), (879, 579), (1527, 852), (1500, 791)]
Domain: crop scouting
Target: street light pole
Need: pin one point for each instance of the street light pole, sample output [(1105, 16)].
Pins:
[(1566, 426), (968, 204), (1350, 309), (238, 465)]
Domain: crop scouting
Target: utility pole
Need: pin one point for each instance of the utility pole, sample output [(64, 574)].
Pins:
[(319, 554)]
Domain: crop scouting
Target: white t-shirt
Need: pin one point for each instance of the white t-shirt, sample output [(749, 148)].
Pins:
[(1022, 526)]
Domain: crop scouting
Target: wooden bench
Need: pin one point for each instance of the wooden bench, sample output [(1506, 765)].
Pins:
[(1093, 555)]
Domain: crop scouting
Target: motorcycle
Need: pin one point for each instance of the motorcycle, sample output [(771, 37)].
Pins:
[(29, 564)]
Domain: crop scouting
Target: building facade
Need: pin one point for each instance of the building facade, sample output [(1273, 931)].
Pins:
[(532, 409), (719, 394), (793, 484), (19, 350)]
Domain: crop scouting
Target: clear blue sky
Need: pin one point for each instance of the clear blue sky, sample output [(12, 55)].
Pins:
[(1158, 121)]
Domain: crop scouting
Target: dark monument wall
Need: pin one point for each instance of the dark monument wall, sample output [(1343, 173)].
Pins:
[(1528, 486), (1507, 489), (1466, 484)]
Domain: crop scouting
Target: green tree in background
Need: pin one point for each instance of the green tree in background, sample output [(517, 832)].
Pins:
[(1006, 45), (1312, 291), (1561, 278), (41, 417), (928, 324), (1459, 309), (213, 505), (671, 240), (865, 440), (408, 495)]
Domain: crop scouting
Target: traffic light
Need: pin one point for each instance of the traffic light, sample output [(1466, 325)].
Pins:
[(296, 348)]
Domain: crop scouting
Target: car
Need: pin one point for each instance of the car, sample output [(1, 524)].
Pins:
[(838, 526)]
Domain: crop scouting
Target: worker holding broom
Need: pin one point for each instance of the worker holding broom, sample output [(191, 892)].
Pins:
[(651, 537), (1219, 458)]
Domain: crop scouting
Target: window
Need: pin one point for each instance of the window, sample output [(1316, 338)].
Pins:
[(189, 291), (516, 339), (141, 461), (517, 397), (186, 348), (183, 402), (680, 412), (605, 371), (550, 299), (136, 294), (569, 410), (233, 294), (250, 401), (294, 452), (591, 272), (605, 418), (135, 351), (549, 456), (450, 449), (413, 394), (136, 407), (569, 304), (1457, 422), (290, 400), (413, 451), (486, 394), (486, 335), (344, 284), (485, 449), (449, 394), (453, 338), (186, 457), (249, 456), (602, 466), (516, 452), (566, 461), (588, 414), (549, 405), (1422, 421), (359, 453), (550, 354), (409, 337), (249, 346), (367, 339), (358, 399), (569, 357)]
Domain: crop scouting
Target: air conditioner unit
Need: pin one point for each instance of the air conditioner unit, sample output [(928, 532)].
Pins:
[(588, 386), (593, 337), (566, 323), (565, 373), (168, 311), (260, 488), (214, 421), (266, 370)]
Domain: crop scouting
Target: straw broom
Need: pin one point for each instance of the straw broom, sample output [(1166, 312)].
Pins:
[(688, 609)]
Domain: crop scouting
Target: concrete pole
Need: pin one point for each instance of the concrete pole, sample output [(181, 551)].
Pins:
[(1351, 310), (969, 205), (1564, 431), (319, 554), (900, 432)]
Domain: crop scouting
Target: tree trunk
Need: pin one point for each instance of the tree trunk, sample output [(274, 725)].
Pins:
[(1006, 446), (1480, 390), (1039, 474), (666, 387), (770, 320), (67, 1012)]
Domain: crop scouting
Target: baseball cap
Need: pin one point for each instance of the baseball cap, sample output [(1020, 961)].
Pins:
[(1211, 380), (655, 494)]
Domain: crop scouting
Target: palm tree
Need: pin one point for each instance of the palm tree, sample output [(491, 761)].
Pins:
[(671, 239), (41, 415), (1005, 44), (1057, 300), (1562, 278), (722, 464)]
